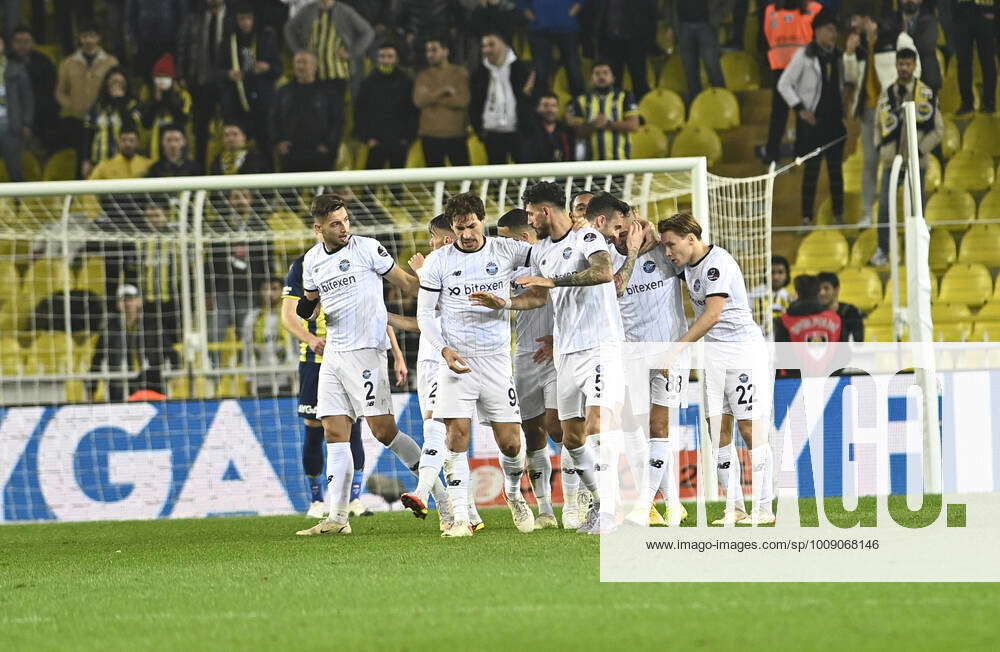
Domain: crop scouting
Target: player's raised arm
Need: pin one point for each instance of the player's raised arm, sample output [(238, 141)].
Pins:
[(633, 242), (535, 297)]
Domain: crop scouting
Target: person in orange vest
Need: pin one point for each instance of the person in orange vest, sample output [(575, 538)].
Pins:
[(787, 27)]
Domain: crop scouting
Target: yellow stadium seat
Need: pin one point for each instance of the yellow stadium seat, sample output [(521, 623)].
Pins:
[(477, 151), (663, 108), (75, 391), (697, 140), (966, 283), (969, 170), (179, 388), (863, 248), (860, 286), (824, 251), (942, 254), (989, 206), (49, 353), (649, 142), (879, 333), (716, 108), (958, 331), (981, 244), (951, 140), (90, 276), (903, 296), (947, 313), (672, 76), (881, 316), (45, 277), (30, 168), (949, 205), (985, 331), (983, 135), (852, 210), (11, 361), (853, 169), (232, 387), (415, 157), (932, 175), (741, 71)]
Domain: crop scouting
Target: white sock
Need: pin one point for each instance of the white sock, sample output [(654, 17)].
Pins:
[(474, 516), (637, 454), (339, 474), (569, 478), (583, 462), (728, 470), (540, 474), (406, 450), (513, 469), (458, 485), (431, 457), (659, 465), (609, 478), (763, 477)]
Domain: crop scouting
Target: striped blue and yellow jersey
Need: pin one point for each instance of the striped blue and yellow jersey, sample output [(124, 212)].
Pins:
[(293, 290), (615, 105)]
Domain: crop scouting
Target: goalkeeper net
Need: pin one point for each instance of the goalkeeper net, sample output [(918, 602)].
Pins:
[(145, 371)]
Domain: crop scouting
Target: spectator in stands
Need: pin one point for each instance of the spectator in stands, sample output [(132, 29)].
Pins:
[(554, 24), (500, 103), (922, 26), (151, 28), (238, 264), (295, 6), (157, 269), (787, 28), (17, 110), (870, 66), (624, 32), (441, 93), (813, 85), (501, 17), (174, 160), (890, 138), (384, 115), (422, 20), (115, 108), (11, 16), (80, 80), (127, 347), (266, 343), (166, 103), (335, 33), (604, 117), (251, 65), (127, 163), (807, 318), (308, 119), (200, 52), (548, 139), (42, 75), (852, 320), (238, 157), (975, 22), (780, 296), (69, 13), (697, 29)]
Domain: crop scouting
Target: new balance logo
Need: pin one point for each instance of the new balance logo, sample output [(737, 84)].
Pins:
[(656, 463), (516, 474), (600, 467), (570, 471), (454, 483), (329, 479), (430, 451), (534, 475), (724, 465)]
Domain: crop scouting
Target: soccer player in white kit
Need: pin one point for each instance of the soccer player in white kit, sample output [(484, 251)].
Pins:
[(475, 372), (433, 453), (573, 271), (344, 274), (535, 382), (738, 379)]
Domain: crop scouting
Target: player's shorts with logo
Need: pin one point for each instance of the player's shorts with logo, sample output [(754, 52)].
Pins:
[(589, 378), (308, 385), (652, 387), (427, 384), (489, 387), (354, 383), (535, 384), (738, 381)]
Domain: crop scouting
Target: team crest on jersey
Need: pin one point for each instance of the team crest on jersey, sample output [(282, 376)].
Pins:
[(590, 237), (492, 268), (713, 274), (697, 284), (383, 252), (568, 251), (744, 378), (648, 266), (366, 374), (345, 265)]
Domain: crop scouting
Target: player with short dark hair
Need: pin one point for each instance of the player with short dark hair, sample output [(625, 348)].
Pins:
[(852, 319)]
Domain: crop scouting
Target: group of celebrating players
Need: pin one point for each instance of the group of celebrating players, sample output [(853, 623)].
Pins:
[(587, 286)]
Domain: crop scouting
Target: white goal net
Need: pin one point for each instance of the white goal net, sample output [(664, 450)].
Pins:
[(144, 372)]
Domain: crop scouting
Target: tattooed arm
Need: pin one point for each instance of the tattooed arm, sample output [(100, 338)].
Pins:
[(634, 241), (599, 271)]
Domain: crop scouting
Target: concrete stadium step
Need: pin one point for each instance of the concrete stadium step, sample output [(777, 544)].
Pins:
[(755, 106)]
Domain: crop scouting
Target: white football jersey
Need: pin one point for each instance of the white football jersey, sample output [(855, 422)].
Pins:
[(349, 282), (455, 274), (584, 316), (652, 308), (425, 351), (718, 275), (529, 325)]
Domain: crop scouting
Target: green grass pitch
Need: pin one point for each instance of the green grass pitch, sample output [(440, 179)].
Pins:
[(396, 585)]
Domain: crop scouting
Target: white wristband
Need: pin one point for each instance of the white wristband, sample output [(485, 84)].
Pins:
[(507, 303)]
